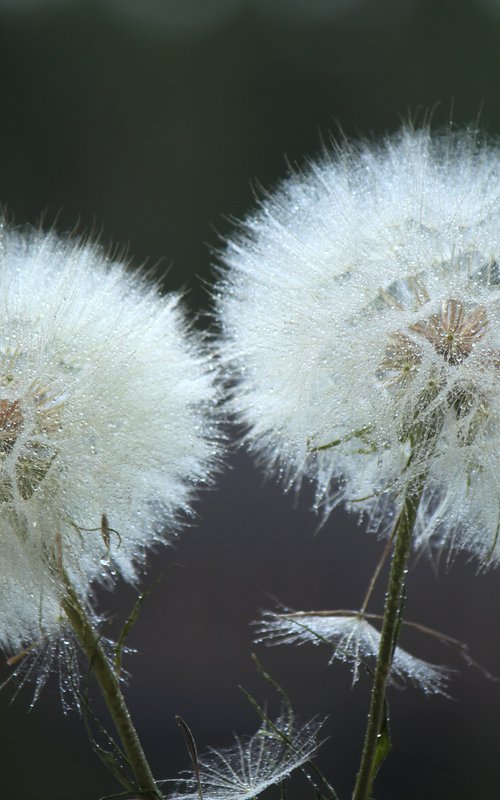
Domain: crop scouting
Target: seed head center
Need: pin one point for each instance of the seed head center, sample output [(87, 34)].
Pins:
[(453, 332), (11, 423)]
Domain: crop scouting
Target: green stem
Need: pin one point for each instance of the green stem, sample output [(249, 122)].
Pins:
[(390, 628), (110, 688)]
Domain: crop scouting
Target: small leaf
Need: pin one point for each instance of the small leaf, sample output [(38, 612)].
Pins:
[(384, 744), (114, 759), (193, 752), (130, 622), (267, 677)]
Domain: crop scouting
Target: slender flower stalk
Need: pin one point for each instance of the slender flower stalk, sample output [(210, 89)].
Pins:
[(390, 628), (109, 684), (423, 440)]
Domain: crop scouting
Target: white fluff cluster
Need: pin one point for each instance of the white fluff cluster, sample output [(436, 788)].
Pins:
[(355, 641), (361, 321), (106, 425), (247, 769)]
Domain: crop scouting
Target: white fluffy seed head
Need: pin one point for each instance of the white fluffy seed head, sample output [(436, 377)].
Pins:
[(106, 424), (360, 312)]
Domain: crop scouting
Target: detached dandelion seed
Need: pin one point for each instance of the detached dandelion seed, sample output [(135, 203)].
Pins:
[(244, 771), (360, 313), (355, 642)]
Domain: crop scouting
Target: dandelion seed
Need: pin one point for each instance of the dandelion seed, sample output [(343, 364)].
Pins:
[(106, 427), (355, 642), (360, 314), (244, 771)]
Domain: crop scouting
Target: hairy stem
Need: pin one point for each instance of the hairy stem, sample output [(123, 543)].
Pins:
[(390, 629), (110, 687)]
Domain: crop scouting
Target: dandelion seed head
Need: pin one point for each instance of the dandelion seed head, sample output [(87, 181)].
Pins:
[(107, 425), (360, 315)]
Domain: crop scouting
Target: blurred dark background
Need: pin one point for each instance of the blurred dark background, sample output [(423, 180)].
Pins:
[(149, 122)]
